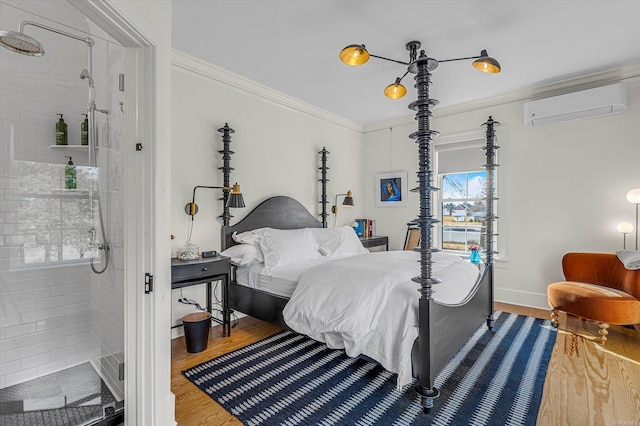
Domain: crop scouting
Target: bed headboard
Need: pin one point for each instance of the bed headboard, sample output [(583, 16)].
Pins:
[(276, 212)]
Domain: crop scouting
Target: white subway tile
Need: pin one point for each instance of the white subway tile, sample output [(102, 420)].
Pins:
[(21, 376), (52, 367)]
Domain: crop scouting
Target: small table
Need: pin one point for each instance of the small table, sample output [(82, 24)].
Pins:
[(185, 273), (376, 241)]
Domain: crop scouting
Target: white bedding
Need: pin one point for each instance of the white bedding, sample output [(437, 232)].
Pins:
[(281, 280), (367, 304)]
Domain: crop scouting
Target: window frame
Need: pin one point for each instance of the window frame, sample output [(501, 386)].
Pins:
[(472, 140)]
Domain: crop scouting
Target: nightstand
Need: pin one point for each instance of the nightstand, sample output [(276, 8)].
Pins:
[(376, 241), (185, 273)]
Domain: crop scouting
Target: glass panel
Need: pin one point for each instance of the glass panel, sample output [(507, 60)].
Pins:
[(454, 186), (463, 210), (477, 184), (61, 324)]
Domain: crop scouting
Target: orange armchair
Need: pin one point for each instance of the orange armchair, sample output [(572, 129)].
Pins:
[(598, 287)]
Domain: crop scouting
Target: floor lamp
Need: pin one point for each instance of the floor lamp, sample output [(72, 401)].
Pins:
[(624, 228), (633, 197)]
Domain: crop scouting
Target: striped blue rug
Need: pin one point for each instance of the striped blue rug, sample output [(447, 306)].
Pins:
[(495, 379)]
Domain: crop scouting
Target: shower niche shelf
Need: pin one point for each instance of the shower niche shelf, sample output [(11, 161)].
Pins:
[(73, 147)]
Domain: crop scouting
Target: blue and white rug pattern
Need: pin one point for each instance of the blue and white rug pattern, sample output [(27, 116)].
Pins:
[(496, 378)]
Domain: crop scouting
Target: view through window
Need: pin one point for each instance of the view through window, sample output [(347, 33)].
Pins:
[(53, 224), (463, 210)]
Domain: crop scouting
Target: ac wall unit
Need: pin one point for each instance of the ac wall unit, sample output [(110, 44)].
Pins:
[(590, 103)]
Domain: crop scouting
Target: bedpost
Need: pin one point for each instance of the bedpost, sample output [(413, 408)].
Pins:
[(425, 388), (324, 180), (226, 171), (491, 150)]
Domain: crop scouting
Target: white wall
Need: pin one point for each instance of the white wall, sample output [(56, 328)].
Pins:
[(276, 144), (563, 187)]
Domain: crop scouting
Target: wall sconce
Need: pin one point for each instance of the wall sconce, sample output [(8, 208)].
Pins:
[(347, 202), (624, 228), (633, 197), (235, 199), (357, 54)]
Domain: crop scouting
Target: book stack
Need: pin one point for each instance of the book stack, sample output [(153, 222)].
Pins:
[(365, 227)]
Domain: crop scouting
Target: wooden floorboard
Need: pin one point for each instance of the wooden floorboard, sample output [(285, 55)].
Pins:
[(586, 384)]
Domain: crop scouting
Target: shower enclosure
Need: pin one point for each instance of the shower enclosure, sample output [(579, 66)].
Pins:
[(61, 248)]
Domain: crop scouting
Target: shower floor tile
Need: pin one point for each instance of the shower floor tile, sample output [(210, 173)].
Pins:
[(74, 396)]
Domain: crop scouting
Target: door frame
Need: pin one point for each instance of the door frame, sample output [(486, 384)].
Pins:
[(148, 396)]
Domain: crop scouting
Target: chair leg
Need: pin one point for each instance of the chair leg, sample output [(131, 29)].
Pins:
[(604, 331), (554, 317)]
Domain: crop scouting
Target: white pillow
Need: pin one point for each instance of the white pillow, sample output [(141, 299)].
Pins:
[(286, 247), (250, 237), (243, 254), (338, 242)]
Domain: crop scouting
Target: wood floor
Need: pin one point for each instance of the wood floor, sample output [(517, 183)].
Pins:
[(586, 384)]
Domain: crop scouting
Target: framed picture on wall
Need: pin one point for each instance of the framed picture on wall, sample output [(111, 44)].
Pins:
[(391, 189)]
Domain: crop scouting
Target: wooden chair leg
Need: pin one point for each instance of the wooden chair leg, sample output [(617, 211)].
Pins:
[(554, 317), (604, 331)]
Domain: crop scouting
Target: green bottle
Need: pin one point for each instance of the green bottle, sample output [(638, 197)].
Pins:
[(84, 131), (70, 175), (61, 132)]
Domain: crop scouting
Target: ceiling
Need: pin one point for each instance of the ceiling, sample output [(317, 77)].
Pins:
[(292, 45)]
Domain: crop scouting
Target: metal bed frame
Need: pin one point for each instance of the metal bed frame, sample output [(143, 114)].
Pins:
[(443, 329)]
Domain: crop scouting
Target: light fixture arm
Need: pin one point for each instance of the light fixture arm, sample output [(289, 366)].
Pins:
[(192, 208), (234, 200), (459, 59), (334, 208), (390, 60)]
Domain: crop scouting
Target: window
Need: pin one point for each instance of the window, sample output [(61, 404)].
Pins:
[(463, 210), (53, 224), (460, 204)]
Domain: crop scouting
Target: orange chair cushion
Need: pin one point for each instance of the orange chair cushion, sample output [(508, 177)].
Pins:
[(594, 302)]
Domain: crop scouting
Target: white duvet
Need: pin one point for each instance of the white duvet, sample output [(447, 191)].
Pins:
[(368, 305)]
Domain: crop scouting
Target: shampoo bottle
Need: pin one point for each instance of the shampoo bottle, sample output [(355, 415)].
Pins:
[(70, 175), (61, 132), (84, 131)]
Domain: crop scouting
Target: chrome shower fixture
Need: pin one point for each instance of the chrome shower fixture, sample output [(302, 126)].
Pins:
[(18, 41), (86, 75), (21, 43)]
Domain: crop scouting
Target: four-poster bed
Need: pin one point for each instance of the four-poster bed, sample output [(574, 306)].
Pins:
[(442, 327)]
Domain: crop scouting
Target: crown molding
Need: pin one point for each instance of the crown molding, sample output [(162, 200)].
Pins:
[(589, 81), (205, 69)]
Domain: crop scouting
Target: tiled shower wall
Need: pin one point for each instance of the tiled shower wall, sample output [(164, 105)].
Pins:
[(57, 314)]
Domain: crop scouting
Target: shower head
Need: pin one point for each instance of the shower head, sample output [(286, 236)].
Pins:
[(21, 43), (86, 75)]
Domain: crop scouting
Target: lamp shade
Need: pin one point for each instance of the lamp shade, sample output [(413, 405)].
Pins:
[(633, 196), (395, 90), (624, 227), (354, 55), (235, 197), (485, 63), (348, 200)]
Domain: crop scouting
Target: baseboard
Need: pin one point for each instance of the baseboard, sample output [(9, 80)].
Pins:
[(171, 408), (521, 298)]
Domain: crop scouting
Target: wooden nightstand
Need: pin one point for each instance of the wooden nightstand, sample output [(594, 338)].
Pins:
[(376, 241), (185, 273)]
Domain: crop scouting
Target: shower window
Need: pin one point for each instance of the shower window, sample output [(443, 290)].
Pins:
[(52, 223)]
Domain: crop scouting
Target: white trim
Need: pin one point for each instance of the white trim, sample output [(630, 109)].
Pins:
[(589, 81), (521, 298), (205, 69)]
